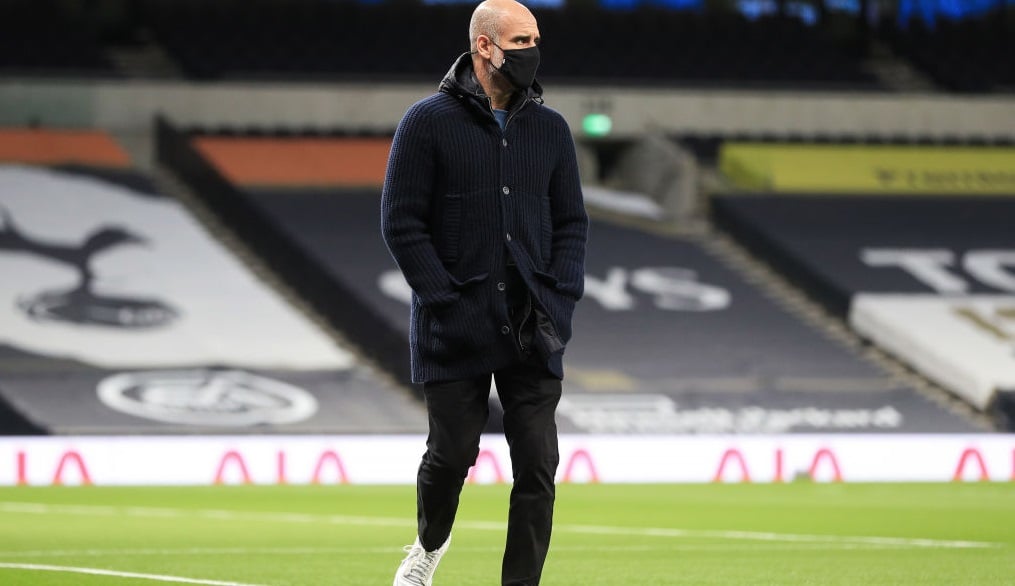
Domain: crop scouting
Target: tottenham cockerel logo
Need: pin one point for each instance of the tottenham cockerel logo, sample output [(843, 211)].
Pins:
[(81, 304)]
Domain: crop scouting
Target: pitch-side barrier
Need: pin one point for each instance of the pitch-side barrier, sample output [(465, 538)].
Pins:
[(387, 459)]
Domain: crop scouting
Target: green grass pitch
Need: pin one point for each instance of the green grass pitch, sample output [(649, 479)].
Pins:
[(605, 535)]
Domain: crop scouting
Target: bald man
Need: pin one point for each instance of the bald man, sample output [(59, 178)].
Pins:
[(482, 211)]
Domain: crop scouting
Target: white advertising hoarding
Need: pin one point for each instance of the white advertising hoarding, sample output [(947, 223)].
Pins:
[(210, 460)]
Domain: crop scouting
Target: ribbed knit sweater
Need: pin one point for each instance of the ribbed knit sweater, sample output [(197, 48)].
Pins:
[(461, 199)]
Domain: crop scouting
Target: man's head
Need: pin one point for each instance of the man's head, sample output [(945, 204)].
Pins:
[(498, 29)]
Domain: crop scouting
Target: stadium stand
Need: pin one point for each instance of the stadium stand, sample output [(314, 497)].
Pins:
[(711, 351), (122, 314), (309, 40), (970, 55), (13, 421), (926, 278), (331, 40), (315, 40), (699, 49), (38, 38), (668, 339)]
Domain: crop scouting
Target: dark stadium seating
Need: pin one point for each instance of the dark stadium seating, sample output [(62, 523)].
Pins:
[(696, 49), (314, 40), (307, 40), (36, 38), (332, 40), (965, 56)]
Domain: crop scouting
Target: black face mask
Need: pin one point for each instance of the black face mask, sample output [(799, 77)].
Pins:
[(519, 66)]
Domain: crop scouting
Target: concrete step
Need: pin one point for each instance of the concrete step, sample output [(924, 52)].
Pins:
[(144, 61), (896, 73)]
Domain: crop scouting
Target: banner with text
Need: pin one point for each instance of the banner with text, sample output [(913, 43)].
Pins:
[(869, 168)]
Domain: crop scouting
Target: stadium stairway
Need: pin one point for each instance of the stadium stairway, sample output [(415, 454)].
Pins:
[(894, 72), (143, 61)]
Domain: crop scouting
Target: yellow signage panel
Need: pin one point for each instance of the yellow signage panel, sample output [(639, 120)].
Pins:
[(869, 168)]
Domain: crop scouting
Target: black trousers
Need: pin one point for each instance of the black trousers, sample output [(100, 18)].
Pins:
[(457, 413)]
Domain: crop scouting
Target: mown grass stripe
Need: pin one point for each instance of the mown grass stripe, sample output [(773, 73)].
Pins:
[(283, 517)]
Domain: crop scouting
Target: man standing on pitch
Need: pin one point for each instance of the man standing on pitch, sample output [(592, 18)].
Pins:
[(482, 210)]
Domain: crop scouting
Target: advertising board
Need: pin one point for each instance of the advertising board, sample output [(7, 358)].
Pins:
[(381, 459)]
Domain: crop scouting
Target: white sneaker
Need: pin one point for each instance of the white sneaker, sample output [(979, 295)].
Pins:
[(418, 567)]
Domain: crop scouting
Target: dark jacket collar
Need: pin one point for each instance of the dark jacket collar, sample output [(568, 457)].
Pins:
[(461, 81)]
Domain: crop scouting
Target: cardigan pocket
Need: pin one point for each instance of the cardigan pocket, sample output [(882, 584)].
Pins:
[(460, 325), (560, 309), (451, 228), (545, 277), (468, 281), (559, 305)]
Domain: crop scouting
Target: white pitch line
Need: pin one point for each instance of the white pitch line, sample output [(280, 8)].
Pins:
[(769, 536), (225, 515), (116, 574)]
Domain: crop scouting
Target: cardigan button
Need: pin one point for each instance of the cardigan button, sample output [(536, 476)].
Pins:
[(501, 286), (503, 142), (507, 237), (505, 330), (506, 190)]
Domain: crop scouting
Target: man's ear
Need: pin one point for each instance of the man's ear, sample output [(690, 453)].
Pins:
[(484, 46)]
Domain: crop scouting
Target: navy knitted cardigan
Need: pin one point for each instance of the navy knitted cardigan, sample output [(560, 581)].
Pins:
[(460, 198)]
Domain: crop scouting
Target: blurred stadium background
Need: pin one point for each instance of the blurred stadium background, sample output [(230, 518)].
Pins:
[(802, 255)]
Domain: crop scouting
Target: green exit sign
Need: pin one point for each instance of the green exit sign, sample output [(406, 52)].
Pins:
[(597, 124)]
